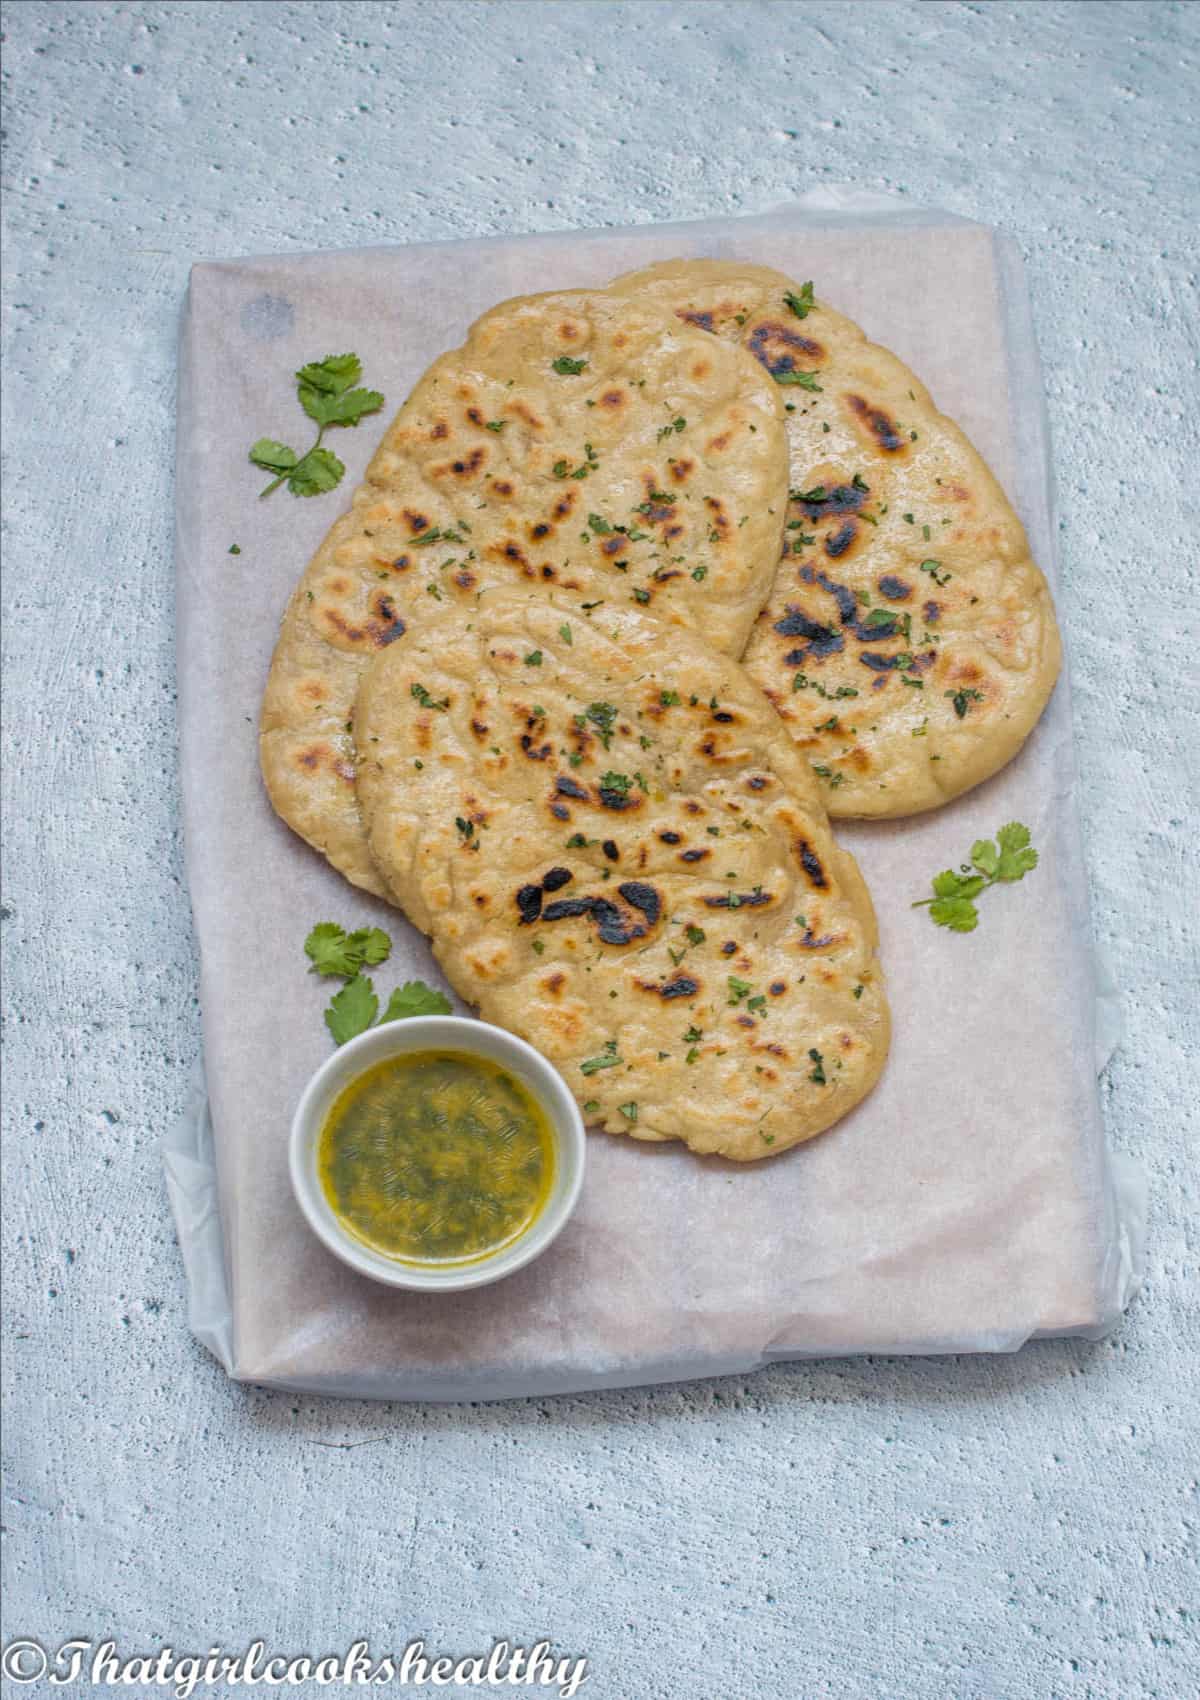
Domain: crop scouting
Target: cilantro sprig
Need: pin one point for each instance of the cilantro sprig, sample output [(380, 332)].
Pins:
[(354, 1007), (328, 392), (1006, 859)]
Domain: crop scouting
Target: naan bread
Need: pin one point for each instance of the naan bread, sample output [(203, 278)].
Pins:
[(620, 855), (655, 475), (909, 641)]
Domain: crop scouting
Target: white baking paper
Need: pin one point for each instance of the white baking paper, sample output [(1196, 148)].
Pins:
[(967, 1205)]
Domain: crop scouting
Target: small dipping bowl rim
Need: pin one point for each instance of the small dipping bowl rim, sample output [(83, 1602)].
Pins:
[(437, 1033)]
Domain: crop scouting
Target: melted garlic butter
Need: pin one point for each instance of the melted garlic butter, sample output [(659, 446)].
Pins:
[(436, 1157)]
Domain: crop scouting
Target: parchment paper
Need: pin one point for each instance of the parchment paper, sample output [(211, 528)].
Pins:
[(967, 1205)]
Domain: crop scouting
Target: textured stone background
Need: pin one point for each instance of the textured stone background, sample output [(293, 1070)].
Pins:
[(876, 1530)]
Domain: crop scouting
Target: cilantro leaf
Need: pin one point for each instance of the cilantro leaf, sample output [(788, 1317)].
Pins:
[(566, 367), (328, 394), (332, 950), (1016, 856), (957, 913), (344, 409), (273, 456), (984, 855), (414, 997), (801, 303), (317, 472), (1008, 857), (332, 375), (352, 1010)]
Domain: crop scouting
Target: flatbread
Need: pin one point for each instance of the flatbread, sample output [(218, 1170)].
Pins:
[(656, 474), (620, 855), (909, 642)]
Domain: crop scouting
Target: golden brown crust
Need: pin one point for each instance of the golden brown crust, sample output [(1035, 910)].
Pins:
[(620, 855), (909, 642)]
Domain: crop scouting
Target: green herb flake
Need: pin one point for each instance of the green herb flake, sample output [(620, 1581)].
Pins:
[(568, 368), (800, 301)]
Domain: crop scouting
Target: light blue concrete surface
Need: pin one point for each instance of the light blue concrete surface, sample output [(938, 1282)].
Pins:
[(1005, 1529)]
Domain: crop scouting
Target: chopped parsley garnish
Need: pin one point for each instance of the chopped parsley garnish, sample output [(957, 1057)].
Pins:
[(564, 633), (806, 380), (738, 989), (603, 717), (695, 935), (466, 828), (801, 302), (931, 567), (818, 1070), (426, 701), (1006, 859), (827, 773), (568, 368), (495, 424), (534, 659), (616, 782), (962, 701), (599, 524), (607, 1059), (668, 699), (679, 424), (629, 1111)]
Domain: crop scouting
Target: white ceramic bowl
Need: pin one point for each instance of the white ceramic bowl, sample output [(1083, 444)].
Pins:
[(437, 1033)]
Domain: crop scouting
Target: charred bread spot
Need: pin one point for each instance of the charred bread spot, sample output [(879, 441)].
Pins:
[(480, 729), (417, 522), (556, 879), (932, 612), (570, 788), (841, 540), (691, 807), (721, 443), (610, 850), (401, 563), (894, 588), (613, 545), (564, 505), (313, 691), (811, 941), (694, 855), (681, 470), (728, 948), (775, 346), (570, 331), (474, 415), (670, 838), (554, 983), (387, 625), (811, 863), (701, 369), (440, 430), (541, 752), (643, 897), (568, 908), (834, 499), (704, 320), (757, 782), (884, 430), (880, 663), (463, 579), (464, 468), (618, 801), (819, 640), (746, 1021), (560, 811), (502, 486), (777, 988), (724, 717), (540, 530), (683, 986), (613, 399)]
